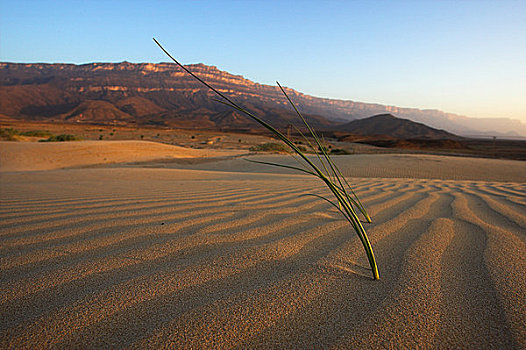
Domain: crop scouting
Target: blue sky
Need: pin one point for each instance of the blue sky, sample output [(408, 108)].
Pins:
[(465, 57)]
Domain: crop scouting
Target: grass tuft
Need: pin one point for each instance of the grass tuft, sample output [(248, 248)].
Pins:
[(345, 200), (61, 138), (10, 134)]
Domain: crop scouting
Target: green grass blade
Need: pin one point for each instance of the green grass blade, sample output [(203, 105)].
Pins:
[(316, 153), (332, 177), (282, 166), (339, 208), (336, 173)]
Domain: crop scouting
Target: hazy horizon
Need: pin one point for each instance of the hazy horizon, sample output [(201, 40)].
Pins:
[(466, 58)]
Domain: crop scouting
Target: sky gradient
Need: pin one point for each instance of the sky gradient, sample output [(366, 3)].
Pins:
[(464, 57)]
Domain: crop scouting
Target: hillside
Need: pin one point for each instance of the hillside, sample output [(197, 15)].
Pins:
[(163, 95), (138, 94), (387, 124)]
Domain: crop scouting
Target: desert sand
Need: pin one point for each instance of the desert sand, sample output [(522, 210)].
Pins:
[(20, 156), (128, 246)]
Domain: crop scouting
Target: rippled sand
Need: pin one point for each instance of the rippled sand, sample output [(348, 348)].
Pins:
[(185, 258)]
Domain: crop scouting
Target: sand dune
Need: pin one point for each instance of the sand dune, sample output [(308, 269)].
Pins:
[(192, 258), (23, 156)]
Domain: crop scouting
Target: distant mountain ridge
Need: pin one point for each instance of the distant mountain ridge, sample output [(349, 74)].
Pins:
[(163, 95), (137, 94), (389, 125)]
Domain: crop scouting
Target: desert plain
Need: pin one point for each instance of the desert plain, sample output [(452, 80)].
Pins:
[(135, 244)]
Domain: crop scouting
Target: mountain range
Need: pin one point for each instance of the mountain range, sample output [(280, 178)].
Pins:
[(163, 95)]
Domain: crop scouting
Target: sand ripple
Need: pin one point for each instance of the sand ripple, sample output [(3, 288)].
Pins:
[(161, 258)]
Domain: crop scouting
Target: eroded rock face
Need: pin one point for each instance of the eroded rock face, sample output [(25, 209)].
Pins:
[(144, 93), (163, 94)]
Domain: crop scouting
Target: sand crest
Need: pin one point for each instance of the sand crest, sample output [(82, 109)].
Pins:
[(134, 257), (23, 156)]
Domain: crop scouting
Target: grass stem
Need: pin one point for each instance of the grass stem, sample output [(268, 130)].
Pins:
[(330, 174)]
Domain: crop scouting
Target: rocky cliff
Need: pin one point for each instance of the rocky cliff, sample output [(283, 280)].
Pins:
[(162, 94)]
